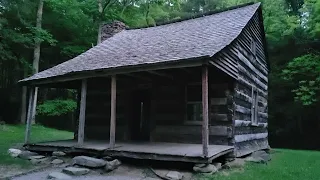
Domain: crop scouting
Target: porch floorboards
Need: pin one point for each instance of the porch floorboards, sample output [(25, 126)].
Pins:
[(138, 150)]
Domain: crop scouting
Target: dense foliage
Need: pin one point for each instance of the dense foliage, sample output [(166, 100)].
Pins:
[(56, 107), (70, 27), (300, 71)]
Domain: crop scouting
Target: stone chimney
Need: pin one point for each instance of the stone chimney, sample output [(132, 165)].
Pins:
[(110, 29)]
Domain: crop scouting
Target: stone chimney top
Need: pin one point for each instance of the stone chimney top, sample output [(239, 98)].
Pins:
[(110, 29)]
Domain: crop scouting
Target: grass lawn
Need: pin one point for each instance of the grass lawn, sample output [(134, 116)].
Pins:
[(285, 164), (11, 135)]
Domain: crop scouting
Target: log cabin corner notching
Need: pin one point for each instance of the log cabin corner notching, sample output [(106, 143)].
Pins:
[(198, 81)]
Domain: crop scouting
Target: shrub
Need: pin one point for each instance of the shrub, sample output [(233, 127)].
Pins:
[(56, 107)]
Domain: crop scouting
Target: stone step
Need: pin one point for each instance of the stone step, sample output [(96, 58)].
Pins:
[(75, 171), (88, 161)]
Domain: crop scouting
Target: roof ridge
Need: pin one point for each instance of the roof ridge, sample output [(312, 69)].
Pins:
[(195, 16)]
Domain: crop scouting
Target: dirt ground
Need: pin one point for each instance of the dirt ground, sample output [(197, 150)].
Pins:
[(124, 172), (11, 170)]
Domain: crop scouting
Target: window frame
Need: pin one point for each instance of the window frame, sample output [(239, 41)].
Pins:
[(254, 106), (253, 48), (188, 121)]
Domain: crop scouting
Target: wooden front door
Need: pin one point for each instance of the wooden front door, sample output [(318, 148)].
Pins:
[(140, 121)]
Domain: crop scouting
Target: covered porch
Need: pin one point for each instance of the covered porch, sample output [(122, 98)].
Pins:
[(180, 152), (145, 115)]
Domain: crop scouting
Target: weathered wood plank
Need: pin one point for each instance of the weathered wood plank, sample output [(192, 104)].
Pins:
[(223, 68), (105, 73), (232, 55), (82, 114), (249, 85), (239, 123), (243, 46), (247, 147), (241, 130), (263, 115), (218, 101), (181, 152), (29, 116), (192, 130), (188, 138), (242, 110), (247, 68), (225, 59), (205, 111), (241, 116), (218, 117), (249, 137), (113, 111), (241, 95), (34, 105), (244, 72)]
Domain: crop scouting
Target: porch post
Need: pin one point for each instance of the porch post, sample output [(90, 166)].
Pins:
[(205, 113), (30, 115), (113, 111), (34, 105), (82, 114)]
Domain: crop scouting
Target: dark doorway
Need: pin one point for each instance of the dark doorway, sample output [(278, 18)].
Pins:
[(140, 130)]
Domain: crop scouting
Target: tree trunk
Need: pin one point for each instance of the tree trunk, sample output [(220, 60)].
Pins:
[(99, 33), (147, 13), (100, 23), (36, 53)]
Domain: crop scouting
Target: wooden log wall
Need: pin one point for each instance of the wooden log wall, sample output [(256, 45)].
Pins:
[(98, 110), (167, 108), (253, 73), (170, 104)]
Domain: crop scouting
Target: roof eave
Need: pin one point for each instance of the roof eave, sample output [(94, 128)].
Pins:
[(181, 63)]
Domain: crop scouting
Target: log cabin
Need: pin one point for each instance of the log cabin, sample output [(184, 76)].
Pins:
[(189, 90)]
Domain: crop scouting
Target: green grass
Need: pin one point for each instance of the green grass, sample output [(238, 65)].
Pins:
[(285, 164), (12, 135)]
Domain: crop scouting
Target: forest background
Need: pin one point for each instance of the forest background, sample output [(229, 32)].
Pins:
[(70, 27)]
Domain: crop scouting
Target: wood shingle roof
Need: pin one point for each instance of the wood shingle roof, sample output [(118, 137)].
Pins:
[(194, 38)]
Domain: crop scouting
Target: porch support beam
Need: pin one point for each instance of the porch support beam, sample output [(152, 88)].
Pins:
[(138, 77), (102, 73), (82, 114), (34, 105), (161, 74), (186, 70), (205, 112), (30, 115), (113, 111)]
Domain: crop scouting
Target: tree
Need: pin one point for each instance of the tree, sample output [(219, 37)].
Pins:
[(311, 17), (36, 52), (16, 40), (304, 72)]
